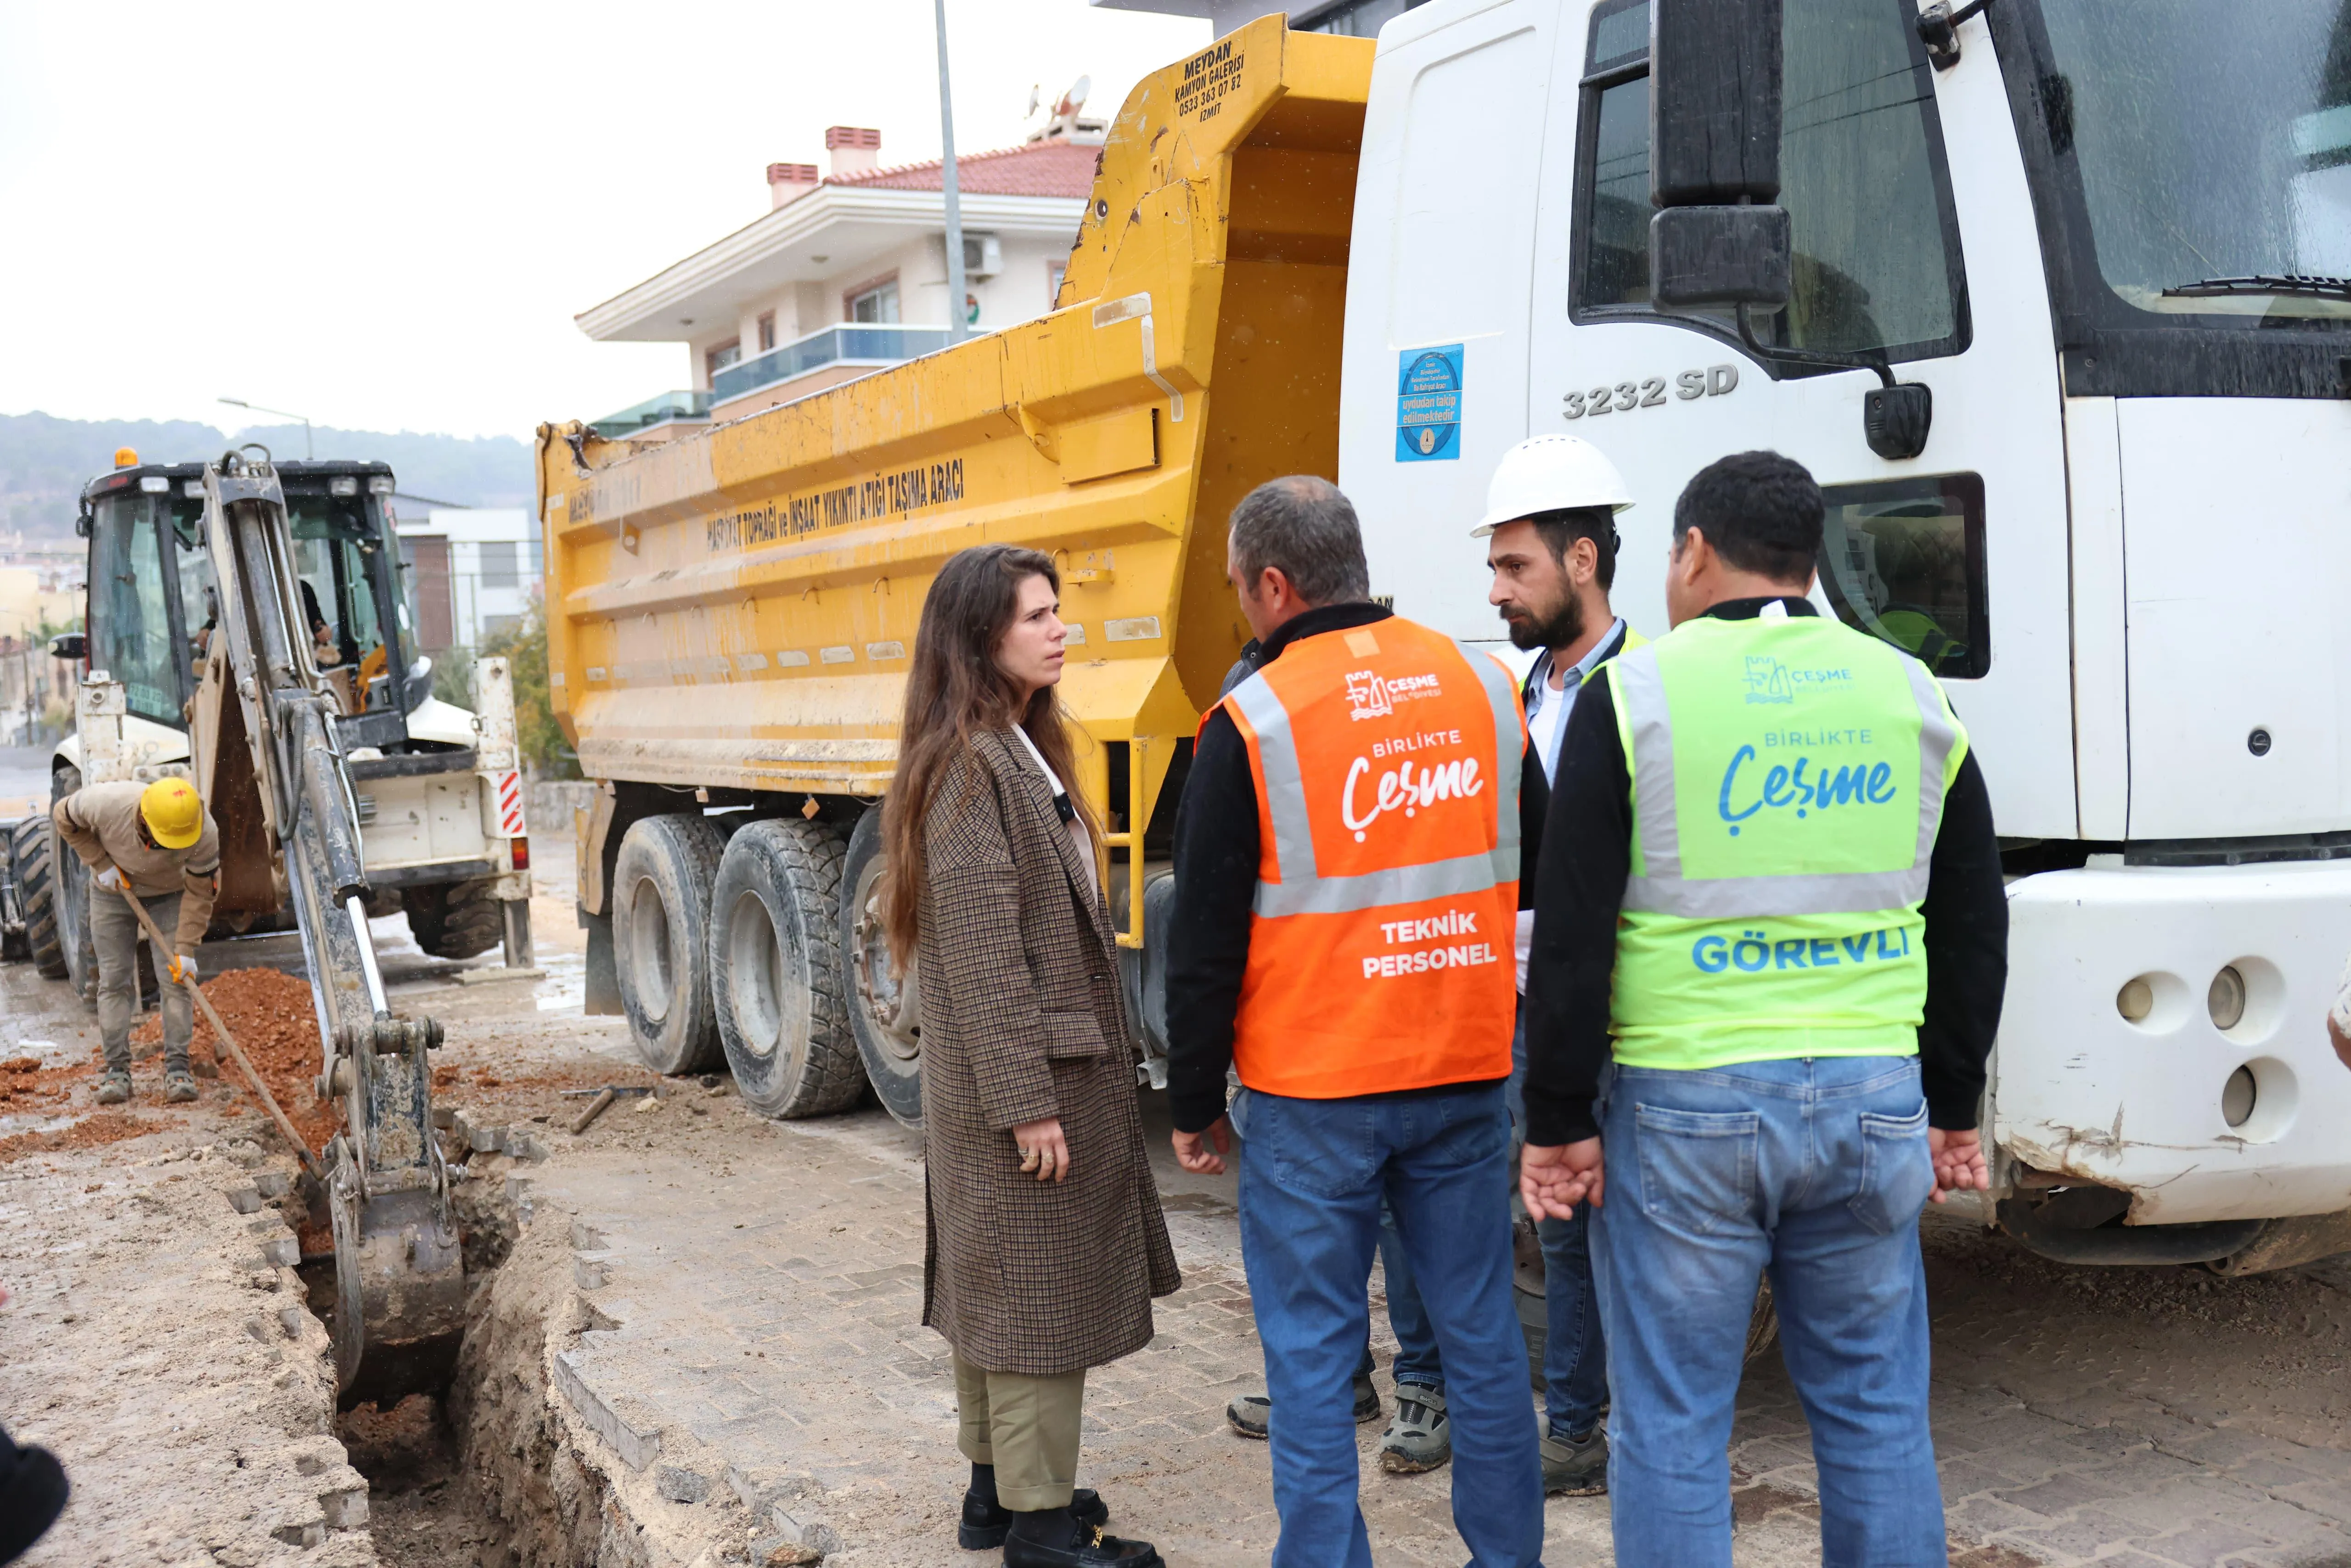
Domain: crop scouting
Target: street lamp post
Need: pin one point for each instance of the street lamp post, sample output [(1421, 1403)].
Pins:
[(307, 454), (955, 323)]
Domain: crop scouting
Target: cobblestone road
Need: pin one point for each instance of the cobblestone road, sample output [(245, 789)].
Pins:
[(762, 1286)]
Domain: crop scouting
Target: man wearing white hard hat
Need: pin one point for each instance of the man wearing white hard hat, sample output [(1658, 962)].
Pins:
[(1551, 533)]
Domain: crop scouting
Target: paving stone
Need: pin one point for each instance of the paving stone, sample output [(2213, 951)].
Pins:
[(2205, 1543)]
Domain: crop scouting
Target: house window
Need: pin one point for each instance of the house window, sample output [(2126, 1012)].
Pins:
[(1054, 272), (878, 302), (501, 566), (767, 331), (727, 353)]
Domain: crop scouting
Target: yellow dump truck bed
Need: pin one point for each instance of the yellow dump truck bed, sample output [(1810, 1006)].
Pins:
[(735, 610)]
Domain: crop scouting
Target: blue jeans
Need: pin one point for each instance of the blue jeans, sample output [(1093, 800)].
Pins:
[(1576, 1351), (1313, 1173), (1417, 1359), (1815, 1170)]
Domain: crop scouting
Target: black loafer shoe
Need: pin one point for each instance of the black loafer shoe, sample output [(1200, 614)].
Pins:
[(986, 1521), (1093, 1549)]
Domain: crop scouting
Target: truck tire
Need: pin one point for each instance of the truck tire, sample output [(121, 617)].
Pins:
[(36, 893), (776, 970), (70, 900), (454, 919), (660, 938), (885, 1010)]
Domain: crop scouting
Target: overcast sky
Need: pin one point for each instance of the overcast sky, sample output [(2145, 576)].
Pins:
[(385, 216)]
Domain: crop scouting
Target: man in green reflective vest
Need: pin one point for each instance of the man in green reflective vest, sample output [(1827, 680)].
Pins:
[(1770, 891)]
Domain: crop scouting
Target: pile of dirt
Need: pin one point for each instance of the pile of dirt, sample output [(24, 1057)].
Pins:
[(106, 1127), (270, 1014), (26, 1084)]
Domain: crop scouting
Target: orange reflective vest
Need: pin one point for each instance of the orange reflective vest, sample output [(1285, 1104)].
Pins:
[(1386, 762)]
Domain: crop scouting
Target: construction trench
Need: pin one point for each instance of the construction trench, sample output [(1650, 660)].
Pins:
[(692, 1338)]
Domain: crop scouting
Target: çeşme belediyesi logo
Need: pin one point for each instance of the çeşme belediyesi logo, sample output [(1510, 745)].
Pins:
[(1752, 952), (1769, 680)]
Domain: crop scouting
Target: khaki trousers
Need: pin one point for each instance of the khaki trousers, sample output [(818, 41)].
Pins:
[(1027, 1428), (114, 934)]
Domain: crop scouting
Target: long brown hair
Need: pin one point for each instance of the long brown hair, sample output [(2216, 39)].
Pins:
[(956, 689)]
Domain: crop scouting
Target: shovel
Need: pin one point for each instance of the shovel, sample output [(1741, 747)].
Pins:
[(220, 1032)]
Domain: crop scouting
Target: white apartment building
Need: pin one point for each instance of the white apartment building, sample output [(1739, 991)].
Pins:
[(1349, 18), (472, 573), (847, 273)]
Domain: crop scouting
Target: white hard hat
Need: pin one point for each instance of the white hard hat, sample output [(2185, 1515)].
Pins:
[(1551, 473)]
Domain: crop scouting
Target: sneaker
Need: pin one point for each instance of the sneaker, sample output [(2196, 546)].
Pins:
[(179, 1088), (1248, 1414), (987, 1521), (113, 1089), (1419, 1438), (1576, 1467)]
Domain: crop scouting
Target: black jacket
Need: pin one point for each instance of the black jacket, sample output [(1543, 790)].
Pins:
[(1216, 886), (1580, 889)]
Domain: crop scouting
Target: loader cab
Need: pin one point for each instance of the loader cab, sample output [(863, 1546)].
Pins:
[(153, 600)]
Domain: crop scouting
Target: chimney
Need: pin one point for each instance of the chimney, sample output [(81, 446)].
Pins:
[(855, 149), (787, 182)]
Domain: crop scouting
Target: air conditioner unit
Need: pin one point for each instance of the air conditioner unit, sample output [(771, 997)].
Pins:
[(983, 256)]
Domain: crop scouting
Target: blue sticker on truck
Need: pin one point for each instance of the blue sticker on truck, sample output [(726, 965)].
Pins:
[(1428, 404)]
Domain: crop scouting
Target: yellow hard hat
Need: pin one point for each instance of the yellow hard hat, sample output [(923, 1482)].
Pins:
[(173, 812)]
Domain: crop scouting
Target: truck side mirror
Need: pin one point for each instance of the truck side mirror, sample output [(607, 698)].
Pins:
[(70, 645), (1719, 236)]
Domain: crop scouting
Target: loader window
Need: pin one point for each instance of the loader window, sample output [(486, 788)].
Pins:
[(1862, 175), (192, 564), (337, 555), (132, 608), (1904, 561)]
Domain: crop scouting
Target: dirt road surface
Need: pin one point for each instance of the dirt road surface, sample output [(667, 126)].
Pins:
[(694, 1342)]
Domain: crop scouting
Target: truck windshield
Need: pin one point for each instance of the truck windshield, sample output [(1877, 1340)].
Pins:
[(2214, 148)]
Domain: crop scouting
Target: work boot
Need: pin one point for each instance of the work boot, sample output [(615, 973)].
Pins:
[(1419, 1438), (1248, 1414), (1575, 1467), (1049, 1538), (987, 1521), (179, 1086), (113, 1088)]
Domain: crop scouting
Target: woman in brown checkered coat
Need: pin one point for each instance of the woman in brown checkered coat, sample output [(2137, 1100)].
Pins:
[(1046, 1242)]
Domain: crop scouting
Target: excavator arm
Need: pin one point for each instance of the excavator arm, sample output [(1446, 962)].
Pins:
[(399, 1272)]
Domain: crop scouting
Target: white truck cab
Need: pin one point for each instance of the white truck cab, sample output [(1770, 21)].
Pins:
[(2112, 241)]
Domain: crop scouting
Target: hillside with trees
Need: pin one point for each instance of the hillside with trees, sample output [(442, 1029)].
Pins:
[(45, 461)]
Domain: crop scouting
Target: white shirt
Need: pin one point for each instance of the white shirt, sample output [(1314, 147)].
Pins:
[(1078, 835)]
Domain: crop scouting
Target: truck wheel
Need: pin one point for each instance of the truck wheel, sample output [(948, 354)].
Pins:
[(454, 919), (69, 899), (36, 893), (775, 969), (661, 923), (885, 1010)]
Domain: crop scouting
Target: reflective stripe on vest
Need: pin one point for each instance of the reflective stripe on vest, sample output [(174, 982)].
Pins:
[(1645, 716), (1301, 890), (1385, 760)]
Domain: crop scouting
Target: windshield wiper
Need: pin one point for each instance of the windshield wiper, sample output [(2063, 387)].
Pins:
[(2264, 283)]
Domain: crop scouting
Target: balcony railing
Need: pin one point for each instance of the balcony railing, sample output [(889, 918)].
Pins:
[(874, 343), (654, 411)]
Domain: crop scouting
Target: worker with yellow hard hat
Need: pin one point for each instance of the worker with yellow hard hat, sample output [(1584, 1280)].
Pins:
[(157, 841)]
